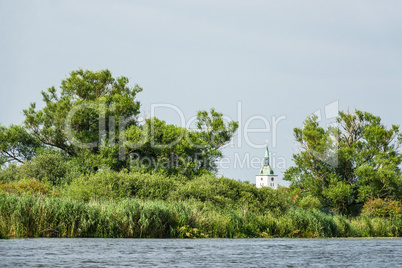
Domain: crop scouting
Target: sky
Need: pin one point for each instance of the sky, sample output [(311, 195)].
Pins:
[(266, 64)]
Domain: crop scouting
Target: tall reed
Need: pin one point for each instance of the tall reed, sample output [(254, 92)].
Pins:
[(41, 216)]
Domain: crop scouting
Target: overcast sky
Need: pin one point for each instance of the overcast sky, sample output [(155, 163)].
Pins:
[(276, 60)]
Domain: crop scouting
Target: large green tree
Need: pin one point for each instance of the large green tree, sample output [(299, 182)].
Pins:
[(93, 118), (83, 118), (348, 164)]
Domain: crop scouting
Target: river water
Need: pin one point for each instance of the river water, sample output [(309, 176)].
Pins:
[(84, 252)]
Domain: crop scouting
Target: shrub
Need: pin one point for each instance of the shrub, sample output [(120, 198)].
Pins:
[(10, 173), (117, 185), (48, 165), (277, 201), (218, 192), (382, 208), (310, 202), (27, 186), (224, 192), (207, 188)]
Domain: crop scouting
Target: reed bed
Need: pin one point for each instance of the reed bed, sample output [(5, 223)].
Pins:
[(52, 216)]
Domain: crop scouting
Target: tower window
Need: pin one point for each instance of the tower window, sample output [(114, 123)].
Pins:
[(272, 179)]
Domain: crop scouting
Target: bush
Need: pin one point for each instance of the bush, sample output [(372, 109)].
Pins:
[(208, 188), (48, 165), (220, 192), (10, 173), (382, 208), (277, 201), (310, 202), (117, 185), (224, 192), (27, 187)]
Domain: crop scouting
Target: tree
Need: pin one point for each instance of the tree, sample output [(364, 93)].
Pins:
[(93, 119), (159, 146), (75, 121), (345, 166), (213, 133), (16, 144)]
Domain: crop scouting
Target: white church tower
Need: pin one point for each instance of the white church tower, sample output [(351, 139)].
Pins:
[(266, 178)]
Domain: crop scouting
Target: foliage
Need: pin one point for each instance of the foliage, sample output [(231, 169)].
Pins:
[(75, 120), (16, 144), (27, 187), (344, 167), (118, 177), (157, 146), (224, 192), (311, 202), (30, 216), (51, 166), (93, 119), (382, 208), (48, 165), (117, 185), (38, 216), (218, 192), (212, 133), (11, 173)]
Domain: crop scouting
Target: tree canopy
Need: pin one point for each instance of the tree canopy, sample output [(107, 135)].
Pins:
[(16, 144), (177, 149), (74, 118), (346, 165), (92, 119)]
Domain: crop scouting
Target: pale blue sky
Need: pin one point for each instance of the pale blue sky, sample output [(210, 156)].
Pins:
[(278, 58)]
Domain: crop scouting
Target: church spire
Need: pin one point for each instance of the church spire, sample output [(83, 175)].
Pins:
[(266, 168), (267, 176), (266, 158)]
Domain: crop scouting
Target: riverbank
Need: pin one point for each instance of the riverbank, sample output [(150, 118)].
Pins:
[(51, 216)]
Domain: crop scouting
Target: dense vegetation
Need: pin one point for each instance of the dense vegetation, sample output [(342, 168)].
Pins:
[(84, 166), (38, 216), (347, 165)]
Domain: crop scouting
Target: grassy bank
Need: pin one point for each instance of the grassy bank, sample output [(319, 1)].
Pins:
[(52, 216)]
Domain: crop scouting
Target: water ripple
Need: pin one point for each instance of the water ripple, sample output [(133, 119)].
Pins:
[(55, 252)]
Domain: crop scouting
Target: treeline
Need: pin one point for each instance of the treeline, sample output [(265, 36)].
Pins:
[(85, 166)]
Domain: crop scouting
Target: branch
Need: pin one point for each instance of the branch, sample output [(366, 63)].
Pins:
[(13, 157)]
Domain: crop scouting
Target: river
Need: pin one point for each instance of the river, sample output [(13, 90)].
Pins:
[(85, 252)]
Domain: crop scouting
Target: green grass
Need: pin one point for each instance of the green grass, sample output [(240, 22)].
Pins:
[(41, 216)]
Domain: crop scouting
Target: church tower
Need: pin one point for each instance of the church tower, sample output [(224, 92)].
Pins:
[(267, 177)]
